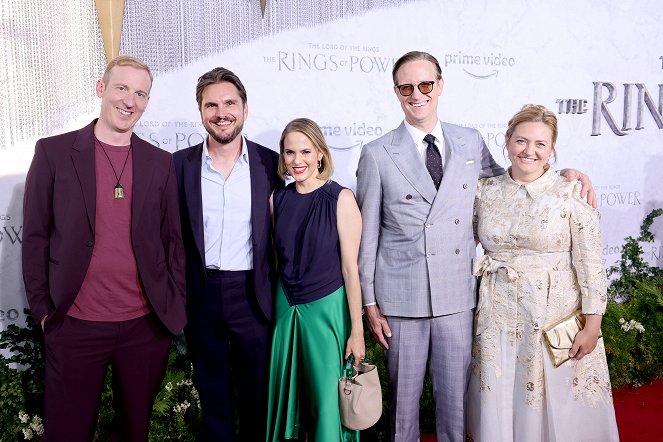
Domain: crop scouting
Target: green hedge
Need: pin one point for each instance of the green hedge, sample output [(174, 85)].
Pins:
[(633, 322)]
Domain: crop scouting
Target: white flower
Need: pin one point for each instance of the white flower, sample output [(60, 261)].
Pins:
[(630, 325), (27, 434), (169, 386), (181, 408), (23, 417), (37, 426), (186, 382)]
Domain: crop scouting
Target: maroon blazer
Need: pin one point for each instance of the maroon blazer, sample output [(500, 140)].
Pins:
[(59, 221)]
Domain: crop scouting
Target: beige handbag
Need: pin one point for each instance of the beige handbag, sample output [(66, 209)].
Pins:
[(360, 395), (559, 336)]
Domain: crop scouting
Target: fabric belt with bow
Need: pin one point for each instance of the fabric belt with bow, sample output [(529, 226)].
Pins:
[(488, 267), (513, 266)]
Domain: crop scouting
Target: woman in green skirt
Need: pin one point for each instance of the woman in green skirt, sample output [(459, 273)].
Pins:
[(317, 229)]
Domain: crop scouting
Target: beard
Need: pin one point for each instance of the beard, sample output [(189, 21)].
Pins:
[(224, 139)]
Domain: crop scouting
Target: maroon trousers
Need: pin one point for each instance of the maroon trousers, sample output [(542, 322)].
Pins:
[(77, 355)]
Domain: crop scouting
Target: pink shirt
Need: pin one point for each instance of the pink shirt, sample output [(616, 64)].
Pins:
[(111, 290)]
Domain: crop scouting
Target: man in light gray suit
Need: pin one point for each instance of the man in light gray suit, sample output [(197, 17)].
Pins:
[(415, 187)]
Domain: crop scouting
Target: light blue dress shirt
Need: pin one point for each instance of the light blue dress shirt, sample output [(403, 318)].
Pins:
[(227, 214)]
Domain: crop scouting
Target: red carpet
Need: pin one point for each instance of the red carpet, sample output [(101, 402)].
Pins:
[(639, 413)]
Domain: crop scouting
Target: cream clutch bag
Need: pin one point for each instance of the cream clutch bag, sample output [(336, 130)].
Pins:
[(560, 335)]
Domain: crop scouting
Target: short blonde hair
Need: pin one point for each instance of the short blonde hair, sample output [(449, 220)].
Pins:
[(126, 60), (534, 113), (312, 131)]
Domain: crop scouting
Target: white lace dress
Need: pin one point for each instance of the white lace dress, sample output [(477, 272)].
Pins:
[(542, 261)]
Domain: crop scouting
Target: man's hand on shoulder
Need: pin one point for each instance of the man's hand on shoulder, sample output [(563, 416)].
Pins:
[(587, 190)]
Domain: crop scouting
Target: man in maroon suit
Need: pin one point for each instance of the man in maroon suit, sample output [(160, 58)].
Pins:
[(103, 262)]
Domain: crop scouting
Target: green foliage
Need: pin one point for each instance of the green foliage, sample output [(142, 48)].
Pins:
[(21, 378), (632, 268), (633, 322), (176, 414)]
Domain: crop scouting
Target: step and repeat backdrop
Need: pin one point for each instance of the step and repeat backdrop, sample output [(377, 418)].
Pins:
[(597, 64)]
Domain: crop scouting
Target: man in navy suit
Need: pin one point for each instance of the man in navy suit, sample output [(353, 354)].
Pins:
[(224, 186)]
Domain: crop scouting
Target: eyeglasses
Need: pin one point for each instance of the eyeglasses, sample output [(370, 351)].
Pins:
[(425, 87)]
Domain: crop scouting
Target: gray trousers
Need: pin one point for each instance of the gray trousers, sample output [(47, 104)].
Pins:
[(444, 344)]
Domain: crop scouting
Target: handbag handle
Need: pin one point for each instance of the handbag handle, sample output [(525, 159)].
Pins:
[(349, 371)]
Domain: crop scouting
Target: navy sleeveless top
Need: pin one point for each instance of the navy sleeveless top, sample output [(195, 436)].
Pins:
[(306, 241)]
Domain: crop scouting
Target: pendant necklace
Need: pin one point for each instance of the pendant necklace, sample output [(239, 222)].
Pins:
[(119, 190)]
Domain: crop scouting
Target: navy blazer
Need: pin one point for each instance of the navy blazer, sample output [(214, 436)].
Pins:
[(263, 164), (59, 209)]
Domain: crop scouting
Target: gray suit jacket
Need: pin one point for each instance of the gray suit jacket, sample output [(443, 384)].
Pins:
[(417, 243)]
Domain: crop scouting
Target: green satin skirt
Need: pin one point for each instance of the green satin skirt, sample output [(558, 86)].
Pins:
[(306, 362)]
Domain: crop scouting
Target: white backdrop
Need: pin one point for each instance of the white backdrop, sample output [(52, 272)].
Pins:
[(598, 64)]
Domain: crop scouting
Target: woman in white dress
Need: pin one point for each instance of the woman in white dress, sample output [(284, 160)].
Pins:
[(542, 262)]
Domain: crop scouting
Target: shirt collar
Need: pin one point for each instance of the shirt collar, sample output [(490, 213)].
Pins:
[(243, 156), (418, 134), (534, 189)]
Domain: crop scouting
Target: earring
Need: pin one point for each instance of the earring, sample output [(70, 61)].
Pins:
[(319, 166), (287, 173)]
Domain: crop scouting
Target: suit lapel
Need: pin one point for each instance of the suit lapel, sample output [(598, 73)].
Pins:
[(259, 188), (82, 157), (194, 197), (454, 146), (405, 156), (142, 177)]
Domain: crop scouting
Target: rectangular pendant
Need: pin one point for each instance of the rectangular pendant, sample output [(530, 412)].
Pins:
[(119, 192)]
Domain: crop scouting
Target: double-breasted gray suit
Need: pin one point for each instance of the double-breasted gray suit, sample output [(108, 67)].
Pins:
[(415, 262)]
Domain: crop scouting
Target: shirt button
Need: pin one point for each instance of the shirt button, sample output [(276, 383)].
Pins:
[(408, 197), (427, 225), (464, 186), (457, 251), (428, 255), (456, 221)]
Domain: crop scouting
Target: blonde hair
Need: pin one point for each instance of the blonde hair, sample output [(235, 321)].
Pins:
[(312, 131), (534, 113), (125, 60)]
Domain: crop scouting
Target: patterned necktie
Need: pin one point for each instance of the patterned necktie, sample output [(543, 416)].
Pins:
[(433, 160)]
